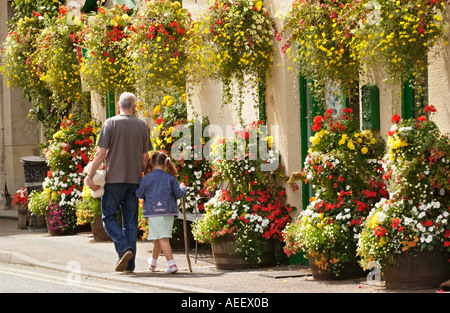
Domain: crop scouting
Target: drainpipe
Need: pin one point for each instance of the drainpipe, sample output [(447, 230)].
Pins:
[(3, 93)]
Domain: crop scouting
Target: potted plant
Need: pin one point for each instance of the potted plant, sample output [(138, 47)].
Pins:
[(60, 221), (241, 221), (408, 233), (344, 167), (88, 211), (20, 201), (38, 202), (67, 154)]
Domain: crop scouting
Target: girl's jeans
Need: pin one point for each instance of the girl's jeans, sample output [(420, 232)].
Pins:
[(121, 196)]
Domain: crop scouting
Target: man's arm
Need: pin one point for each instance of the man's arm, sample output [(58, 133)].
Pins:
[(99, 157), (145, 158)]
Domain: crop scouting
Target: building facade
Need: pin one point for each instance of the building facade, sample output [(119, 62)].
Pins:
[(287, 105)]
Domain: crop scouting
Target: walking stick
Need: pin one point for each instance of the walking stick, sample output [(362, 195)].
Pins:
[(186, 242)]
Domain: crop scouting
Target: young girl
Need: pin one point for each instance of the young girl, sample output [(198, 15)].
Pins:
[(160, 190)]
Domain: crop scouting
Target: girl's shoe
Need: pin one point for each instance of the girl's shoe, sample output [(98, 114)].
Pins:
[(151, 264), (172, 269)]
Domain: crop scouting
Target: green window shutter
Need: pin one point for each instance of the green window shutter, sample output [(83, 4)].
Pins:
[(89, 6), (308, 110), (412, 102), (370, 107), (110, 105)]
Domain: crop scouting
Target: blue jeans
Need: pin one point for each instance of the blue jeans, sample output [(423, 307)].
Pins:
[(121, 196)]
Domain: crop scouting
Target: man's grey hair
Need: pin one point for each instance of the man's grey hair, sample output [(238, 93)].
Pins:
[(127, 100)]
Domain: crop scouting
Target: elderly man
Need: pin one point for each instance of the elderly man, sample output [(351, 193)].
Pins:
[(123, 145)]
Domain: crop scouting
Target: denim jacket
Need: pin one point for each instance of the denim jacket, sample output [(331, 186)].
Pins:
[(160, 192)]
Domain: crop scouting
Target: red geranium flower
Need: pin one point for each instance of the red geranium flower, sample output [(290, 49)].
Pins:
[(396, 118), (429, 108), (422, 118)]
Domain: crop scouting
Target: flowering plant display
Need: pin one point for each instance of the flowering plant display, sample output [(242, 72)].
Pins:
[(17, 49), (24, 65), (24, 8), (252, 207), (415, 216), (38, 203), (234, 159), (157, 49), (106, 67), (320, 33), (21, 197), (67, 155), (239, 39), (399, 36), (338, 39), (168, 114), (172, 125), (56, 57), (87, 208), (344, 167), (61, 219), (250, 217)]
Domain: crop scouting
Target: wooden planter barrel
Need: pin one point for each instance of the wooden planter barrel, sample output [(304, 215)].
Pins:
[(22, 216), (351, 270), (424, 270), (98, 231), (226, 258)]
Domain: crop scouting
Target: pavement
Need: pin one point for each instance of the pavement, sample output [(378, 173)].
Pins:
[(98, 259)]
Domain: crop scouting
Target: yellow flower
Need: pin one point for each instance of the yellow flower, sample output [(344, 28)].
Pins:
[(259, 5), (269, 141), (364, 150), (350, 145), (315, 140)]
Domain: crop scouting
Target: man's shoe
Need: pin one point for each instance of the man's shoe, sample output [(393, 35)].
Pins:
[(123, 262)]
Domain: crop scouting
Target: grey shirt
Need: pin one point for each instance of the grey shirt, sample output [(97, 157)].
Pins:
[(126, 139)]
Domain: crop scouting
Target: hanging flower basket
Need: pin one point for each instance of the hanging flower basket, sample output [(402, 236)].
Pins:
[(157, 50)]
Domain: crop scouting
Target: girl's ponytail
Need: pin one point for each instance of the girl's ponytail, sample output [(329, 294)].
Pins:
[(151, 163), (163, 159)]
